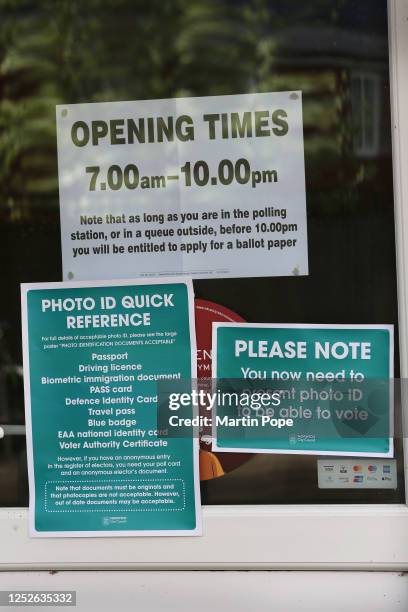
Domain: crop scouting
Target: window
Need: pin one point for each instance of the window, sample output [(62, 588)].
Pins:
[(337, 54)]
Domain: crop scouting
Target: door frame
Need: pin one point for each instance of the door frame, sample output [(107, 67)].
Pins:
[(353, 537)]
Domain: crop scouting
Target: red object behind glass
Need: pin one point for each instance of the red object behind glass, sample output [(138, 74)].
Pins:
[(212, 465)]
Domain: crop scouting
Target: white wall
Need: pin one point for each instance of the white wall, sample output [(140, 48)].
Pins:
[(219, 591)]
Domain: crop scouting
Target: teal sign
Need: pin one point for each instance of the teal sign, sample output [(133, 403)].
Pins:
[(94, 354), (308, 389)]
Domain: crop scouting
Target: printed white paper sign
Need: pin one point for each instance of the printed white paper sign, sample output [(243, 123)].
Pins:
[(209, 187)]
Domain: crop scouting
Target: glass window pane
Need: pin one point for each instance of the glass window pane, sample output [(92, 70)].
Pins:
[(67, 52)]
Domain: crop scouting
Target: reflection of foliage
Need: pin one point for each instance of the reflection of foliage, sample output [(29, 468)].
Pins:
[(54, 51), (216, 47), (70, 51)]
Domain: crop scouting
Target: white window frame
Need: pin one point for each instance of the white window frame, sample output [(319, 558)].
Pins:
[(350, 537)]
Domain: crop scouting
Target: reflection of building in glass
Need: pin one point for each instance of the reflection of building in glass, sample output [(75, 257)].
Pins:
[(366, 106), (342, 70)]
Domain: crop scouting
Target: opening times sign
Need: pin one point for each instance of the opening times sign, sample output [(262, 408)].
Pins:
[(209, 187), (93, 356)]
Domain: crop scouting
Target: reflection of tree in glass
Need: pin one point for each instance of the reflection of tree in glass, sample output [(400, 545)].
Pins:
[(104, 50)]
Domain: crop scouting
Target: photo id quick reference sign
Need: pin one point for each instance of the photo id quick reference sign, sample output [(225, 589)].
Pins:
[(94, 354)]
